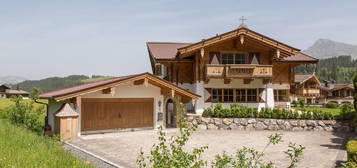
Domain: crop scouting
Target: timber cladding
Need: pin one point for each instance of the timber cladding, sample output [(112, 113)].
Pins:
[(116, 113)]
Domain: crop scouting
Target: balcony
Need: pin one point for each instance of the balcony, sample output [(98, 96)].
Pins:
[(308, 92), (238, 71)]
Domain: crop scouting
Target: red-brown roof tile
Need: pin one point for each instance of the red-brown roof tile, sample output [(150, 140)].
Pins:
[(83, 87), (16, 92), (299, 57), (164, 50)]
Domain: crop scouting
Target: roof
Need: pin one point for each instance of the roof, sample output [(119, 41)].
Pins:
[(16, 92), (164, 50), (66, 111), (66, 93), (5, 86), (342, 86), (303, 78), (299, 57), (235, 33)]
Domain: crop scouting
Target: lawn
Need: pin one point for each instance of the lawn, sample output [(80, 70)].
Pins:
[(334, 111), (20, 147)]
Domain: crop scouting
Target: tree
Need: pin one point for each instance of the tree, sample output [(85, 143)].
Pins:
[(355, 90)]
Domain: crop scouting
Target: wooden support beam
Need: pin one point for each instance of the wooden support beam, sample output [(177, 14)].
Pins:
[(227, 81), (172, 93), (139, 82), (106, 91), (247, 81)]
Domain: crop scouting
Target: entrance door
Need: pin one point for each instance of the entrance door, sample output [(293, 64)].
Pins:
[(170, 114)]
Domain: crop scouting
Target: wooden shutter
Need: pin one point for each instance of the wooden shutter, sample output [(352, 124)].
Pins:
[(257, 55), (261, 100), (209, 99), (250, 58), (212, 54)]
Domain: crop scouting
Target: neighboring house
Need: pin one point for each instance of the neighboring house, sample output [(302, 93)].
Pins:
[(237, 67), (306, 87), (6, 92), (130, 102), (3, 89), (337, 93)]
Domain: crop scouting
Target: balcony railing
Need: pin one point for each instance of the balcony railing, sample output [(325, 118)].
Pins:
[(238, 71)]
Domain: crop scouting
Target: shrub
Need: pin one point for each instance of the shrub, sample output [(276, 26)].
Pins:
[(295, 103), (352, 151), (301, 102), (26, 114), (237, 111), (347, 111), (331, 105)]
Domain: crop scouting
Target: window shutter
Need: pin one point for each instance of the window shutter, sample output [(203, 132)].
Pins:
[(250, 58), (211, 56), (257, 55), (209, 96), (261, 100)]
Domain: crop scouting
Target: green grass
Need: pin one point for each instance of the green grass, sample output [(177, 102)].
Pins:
[(334, 111), (20, 147)]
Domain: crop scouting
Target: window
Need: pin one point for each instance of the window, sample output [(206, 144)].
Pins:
[(232, 58), (251, 95), (216, 95), (227, 58), (240, 95), (234, 95), (227, 95), (280, 95), (158, 70), (240, 59)]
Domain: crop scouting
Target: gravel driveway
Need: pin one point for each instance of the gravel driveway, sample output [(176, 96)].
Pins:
[(323, 149)]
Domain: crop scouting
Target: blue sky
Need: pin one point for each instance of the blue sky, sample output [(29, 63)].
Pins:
[(41, 39)]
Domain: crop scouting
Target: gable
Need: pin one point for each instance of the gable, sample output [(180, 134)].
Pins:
[(68, 93), (242, 34)]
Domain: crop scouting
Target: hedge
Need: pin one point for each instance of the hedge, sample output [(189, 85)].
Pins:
[(237, 111)]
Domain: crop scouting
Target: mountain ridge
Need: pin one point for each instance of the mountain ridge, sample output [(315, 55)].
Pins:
[(326, 48)]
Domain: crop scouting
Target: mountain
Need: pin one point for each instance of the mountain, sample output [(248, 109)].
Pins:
[(324, 48), (54, 83), (11, 80)]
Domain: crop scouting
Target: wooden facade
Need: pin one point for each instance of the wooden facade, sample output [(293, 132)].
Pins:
[(241, 56)]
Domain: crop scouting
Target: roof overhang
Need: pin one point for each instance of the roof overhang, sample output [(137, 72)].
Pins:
[(187, 50), (163, 84)]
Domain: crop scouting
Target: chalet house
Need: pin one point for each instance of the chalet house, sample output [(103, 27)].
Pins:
[(306, 87), (238, 67), (337, 93), (6, 92)]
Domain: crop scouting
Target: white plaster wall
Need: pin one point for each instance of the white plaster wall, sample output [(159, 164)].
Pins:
[(53, 107), (127, 90)]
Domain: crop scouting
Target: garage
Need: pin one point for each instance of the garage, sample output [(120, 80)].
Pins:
[(133, 102), (116, 113)]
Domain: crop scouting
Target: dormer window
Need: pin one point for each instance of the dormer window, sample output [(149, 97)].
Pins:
[(234, 58)]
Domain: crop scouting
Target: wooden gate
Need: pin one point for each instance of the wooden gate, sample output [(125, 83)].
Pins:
[(116, 113)]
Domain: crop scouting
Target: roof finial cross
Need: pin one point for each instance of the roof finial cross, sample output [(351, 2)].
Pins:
[(242, 20)]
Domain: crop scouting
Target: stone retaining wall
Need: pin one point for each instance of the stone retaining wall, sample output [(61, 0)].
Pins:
[(269, 124)]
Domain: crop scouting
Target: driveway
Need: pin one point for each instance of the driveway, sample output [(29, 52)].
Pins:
[(323, 149)]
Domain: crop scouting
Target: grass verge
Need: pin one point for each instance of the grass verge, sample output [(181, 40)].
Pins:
[(20, 147)]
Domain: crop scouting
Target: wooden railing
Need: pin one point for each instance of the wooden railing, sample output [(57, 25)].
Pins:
[(308, 92), (238, 70)]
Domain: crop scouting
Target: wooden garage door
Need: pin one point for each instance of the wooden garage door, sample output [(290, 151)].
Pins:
[(114, 113)]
